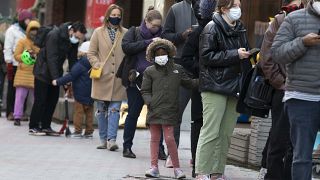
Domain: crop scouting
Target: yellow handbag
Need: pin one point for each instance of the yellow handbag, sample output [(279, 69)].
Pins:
[(96, 73)]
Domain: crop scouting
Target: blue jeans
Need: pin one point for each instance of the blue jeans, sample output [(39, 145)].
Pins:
[(304, 117), (108, 115)]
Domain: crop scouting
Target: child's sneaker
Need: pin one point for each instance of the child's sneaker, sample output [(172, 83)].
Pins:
[(76, 135), (178, 174), (36, 132), (153, 172)]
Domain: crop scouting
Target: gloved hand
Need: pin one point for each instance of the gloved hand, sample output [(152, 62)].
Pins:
[(132, 75), (10, 71)]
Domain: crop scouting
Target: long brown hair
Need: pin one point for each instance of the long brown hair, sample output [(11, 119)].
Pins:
[(108, 13), (224, 4)]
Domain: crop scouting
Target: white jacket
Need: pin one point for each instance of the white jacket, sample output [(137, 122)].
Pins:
[(12, 36)]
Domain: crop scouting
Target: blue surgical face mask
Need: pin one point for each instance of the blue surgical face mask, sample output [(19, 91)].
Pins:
[(73, 39), (234, 14), (114, 20)]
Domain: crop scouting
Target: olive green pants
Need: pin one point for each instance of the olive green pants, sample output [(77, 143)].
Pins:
[(219, 120)]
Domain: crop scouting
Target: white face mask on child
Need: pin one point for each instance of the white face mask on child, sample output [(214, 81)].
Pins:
[(161, 60)]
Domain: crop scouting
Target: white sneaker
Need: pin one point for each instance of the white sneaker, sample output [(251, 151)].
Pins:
[(112, 145), (262, 173), (153, 172), (178, 174)]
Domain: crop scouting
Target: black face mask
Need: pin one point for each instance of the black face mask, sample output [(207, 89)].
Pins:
[(114, 20), (23, 25)]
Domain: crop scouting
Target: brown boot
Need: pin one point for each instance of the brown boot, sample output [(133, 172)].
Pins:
[(25, 118), (10, 117)]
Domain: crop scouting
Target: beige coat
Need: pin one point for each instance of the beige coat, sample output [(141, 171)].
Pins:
[(108, 87)]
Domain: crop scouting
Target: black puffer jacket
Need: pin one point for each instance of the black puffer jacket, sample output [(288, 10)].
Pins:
[(221, 69), (51, 58)]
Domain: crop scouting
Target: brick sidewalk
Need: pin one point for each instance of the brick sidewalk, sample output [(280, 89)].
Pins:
[(44, 158)]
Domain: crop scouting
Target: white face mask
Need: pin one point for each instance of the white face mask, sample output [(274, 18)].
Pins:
[(73, 39), (234, 14), (316, 6), (161, 60)]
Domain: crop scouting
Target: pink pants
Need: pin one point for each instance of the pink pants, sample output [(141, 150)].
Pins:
[(21, 95), (155, 130)]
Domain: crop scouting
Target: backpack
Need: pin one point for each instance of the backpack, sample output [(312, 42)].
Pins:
[(40, 39)]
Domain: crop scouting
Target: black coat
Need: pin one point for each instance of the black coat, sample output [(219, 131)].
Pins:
[(81, 82), (221, 70), (132, 44), (190, 53), (51, 57)]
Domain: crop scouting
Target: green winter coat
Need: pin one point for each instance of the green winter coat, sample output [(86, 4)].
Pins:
[(160, 91)]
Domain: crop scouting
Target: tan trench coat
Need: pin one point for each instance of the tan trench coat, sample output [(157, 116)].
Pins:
[(108, 87)]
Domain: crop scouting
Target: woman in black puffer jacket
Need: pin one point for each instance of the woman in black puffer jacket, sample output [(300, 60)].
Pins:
[(223, 62)]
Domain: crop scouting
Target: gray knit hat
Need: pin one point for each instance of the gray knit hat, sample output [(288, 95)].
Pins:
[(207, 7)]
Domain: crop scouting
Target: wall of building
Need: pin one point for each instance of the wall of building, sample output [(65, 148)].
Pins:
[(7, 8)]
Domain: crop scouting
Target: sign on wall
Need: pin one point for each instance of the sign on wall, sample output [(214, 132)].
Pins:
[(95, 12), (24, 4)]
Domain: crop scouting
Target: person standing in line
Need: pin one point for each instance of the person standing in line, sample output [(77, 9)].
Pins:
[(224, 60), (14, 33), (177, 28), (190, 61), (160, 91), (60, 43), (297, 45), (279, 147), (25, 53), (106, 52), (134, 44)]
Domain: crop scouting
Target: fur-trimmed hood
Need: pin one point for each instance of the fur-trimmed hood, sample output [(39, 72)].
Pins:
[(163, 43)]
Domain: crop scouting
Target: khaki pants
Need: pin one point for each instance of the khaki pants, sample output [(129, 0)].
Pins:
[(79, 111), (219, 120)]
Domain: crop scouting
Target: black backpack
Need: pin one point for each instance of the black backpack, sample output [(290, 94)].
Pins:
[(40, 39)]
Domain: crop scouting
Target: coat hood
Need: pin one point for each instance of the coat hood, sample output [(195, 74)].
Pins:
[(163, 43), (64, 30), (32, 25)]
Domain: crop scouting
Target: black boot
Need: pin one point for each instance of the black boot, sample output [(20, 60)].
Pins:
[(17, 122), (128, 153)]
